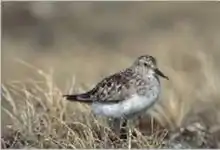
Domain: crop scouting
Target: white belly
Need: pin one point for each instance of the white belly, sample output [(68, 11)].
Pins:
[(126, 108)]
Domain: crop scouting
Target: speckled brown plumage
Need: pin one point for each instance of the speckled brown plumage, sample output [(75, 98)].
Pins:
[(122, 85), (117, 87)]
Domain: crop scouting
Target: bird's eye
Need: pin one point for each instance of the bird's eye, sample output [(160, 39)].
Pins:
[(145, 64)]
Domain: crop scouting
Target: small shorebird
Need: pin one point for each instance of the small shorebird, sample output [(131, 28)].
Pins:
[(125, 94)]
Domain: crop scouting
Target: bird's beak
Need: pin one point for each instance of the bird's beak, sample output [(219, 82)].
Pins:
[(157, 71)]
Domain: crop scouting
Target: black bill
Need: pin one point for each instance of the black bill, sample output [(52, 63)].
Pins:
[(157, 71)]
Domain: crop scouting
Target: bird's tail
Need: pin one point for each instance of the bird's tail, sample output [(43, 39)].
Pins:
[(85, 98)]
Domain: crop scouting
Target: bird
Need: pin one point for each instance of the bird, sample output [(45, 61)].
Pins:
[(127, 93)]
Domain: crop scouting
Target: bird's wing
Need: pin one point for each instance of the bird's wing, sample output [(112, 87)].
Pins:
[(110, 90), (114, 88)]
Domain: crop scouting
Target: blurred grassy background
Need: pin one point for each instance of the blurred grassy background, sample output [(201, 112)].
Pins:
[(90, 40)]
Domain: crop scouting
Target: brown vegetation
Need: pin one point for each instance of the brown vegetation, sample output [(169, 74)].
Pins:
[(53, 48)]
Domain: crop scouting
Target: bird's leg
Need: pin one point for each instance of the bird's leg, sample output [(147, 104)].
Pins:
[(114, 124), (123, 129), (105, 138), (129, 133)]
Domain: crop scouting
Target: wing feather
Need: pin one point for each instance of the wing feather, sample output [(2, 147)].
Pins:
[(114, 88)]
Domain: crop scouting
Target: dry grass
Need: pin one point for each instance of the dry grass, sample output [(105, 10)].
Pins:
[(41, 118), (184, 37)]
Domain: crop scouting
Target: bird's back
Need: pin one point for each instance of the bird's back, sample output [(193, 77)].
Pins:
[(120, 86)]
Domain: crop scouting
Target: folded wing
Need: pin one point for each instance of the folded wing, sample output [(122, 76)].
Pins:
[(112, 89)]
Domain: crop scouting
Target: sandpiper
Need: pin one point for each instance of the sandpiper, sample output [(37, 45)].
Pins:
[(125, 94)]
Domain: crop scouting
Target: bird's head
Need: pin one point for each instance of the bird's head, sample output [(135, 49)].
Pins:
[(148, 64)]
